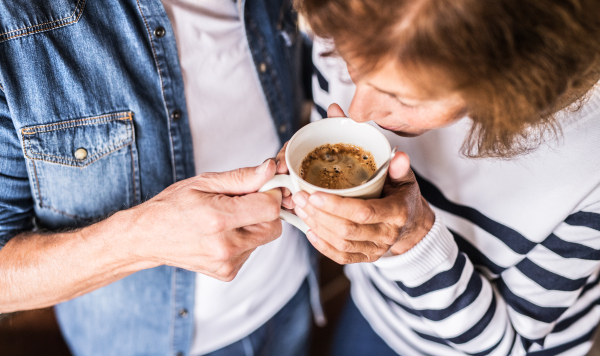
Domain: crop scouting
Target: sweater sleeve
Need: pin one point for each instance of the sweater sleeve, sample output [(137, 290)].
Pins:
[(521, 309)]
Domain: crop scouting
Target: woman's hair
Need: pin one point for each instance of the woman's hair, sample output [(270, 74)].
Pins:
[(514, 62)]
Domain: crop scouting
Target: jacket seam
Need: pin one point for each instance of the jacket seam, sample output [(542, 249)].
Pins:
[(78, 7), (117, 116), (70, 126), (63, 213), (162, 86), (135, 199), (37, 184)]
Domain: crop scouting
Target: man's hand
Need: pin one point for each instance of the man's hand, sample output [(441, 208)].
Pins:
[(210, 223)]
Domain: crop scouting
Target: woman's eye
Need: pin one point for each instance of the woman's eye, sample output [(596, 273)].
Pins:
[(405, 104)]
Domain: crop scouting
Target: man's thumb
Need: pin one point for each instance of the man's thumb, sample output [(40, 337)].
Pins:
[(399, 167), (241, 181)]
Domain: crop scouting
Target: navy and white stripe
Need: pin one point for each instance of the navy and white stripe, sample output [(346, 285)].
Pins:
[(535, 287), (483, 282)]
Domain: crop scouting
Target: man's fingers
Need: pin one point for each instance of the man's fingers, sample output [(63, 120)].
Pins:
[(280, 159), (326, 249), (334, 110), (276, 194), (252, 236), (226, 213), (236, 182), (369, 211)]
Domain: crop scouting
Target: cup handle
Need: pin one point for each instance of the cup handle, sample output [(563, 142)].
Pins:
[(284, 180)]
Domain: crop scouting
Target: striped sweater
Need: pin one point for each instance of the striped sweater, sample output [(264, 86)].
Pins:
[(511, 265)]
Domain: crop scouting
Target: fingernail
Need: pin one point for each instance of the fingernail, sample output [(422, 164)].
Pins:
[(316, 200), (299, 199), (277, 165), (263, 167), (312, 236), (301, 213)]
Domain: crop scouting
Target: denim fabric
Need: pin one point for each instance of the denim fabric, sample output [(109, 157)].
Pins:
[(286, 334), (355, 337), (88, 89)]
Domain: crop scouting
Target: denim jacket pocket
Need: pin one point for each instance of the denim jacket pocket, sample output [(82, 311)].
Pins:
[(24, 17), (83, 169)]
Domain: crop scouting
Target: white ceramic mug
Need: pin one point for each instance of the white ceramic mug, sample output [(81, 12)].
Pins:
[(331, 131)]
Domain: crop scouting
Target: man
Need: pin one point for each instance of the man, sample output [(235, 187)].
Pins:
[(94, 120)]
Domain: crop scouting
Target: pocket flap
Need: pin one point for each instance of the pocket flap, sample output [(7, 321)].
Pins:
[(78, 142)]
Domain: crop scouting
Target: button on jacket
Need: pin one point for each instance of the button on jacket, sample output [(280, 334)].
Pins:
[(93, 120)]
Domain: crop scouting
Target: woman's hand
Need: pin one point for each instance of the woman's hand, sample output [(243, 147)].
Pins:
[(349, 230)]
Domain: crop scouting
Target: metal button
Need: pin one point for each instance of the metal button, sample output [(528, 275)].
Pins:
[(282, 128), (81, 154), (176, 115), (183, 313), (159, 32), (262, 67)]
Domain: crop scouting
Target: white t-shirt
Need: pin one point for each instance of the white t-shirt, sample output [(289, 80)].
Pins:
[(231, 127)]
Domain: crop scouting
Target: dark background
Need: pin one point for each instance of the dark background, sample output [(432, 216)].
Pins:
[(35, 332)]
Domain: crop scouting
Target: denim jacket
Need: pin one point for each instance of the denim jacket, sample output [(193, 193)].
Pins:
[(93, 120)]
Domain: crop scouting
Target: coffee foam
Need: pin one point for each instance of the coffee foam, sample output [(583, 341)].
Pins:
[(337, 166)]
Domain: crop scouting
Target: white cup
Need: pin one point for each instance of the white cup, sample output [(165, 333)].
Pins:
[(330, 131)]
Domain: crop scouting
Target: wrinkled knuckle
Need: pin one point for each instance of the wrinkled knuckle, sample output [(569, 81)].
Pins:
[(223, 253), (401, 218), (365, 214), (344, 260), (390, 238), (275, 228), (229, 272), (215, 225), (344, 246), (350, 230), (272, 210), (372, 258)]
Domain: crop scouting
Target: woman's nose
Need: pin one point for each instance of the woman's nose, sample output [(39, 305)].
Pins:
[(358, 109)]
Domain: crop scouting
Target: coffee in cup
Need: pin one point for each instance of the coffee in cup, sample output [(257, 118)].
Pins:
[(337, 166), (329, 131)]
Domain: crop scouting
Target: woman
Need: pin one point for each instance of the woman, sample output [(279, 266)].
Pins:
[(490, 244)]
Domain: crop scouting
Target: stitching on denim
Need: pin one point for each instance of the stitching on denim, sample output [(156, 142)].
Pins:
[(77, 7), (92, 159), (133, 175), (162, 86), (45, 23), (78, 160), (1, 87), (64, 213), (34, 130), (37, 183), (71, 125)]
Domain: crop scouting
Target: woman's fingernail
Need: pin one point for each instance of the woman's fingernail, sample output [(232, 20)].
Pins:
[(263, 167), (299, 199), (301, 213), (316, 200), (277, 165), (312, 236)]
